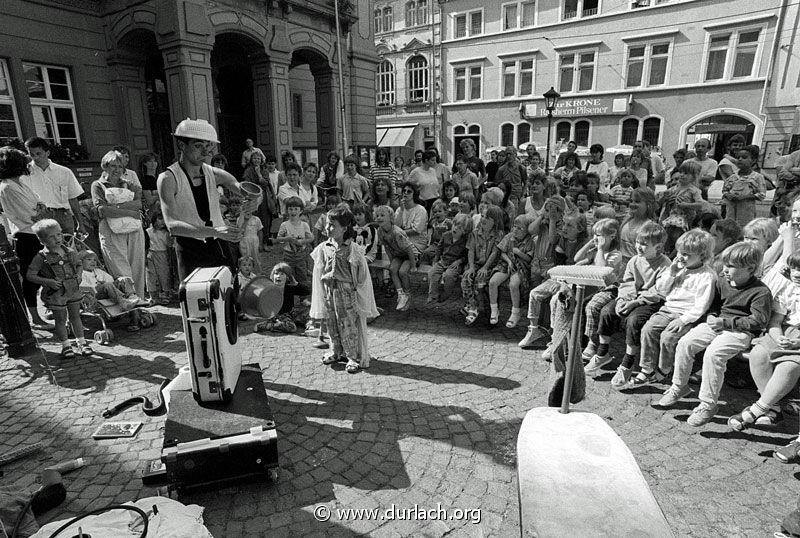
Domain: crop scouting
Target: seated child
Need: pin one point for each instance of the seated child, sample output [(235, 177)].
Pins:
[(438, 224), (725, 232), (621, 192), (514, 266), (482, 254), (96, 284), (636, 301), (466, 203), (449, 258), (245, 274), (57, 269), (559, 237), (775, 360), (740, 313), (688, 287), (289, 316), (762, 232), (401, 252), (366, 232), (601, 251), (453, 207), (680, 204)]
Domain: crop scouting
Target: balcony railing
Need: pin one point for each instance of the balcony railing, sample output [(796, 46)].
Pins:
[(570, 14), (589, 12)]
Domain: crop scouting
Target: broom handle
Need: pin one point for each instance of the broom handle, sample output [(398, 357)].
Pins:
[(574, 346)]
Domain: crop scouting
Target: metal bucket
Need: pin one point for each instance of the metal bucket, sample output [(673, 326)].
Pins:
[(261, 298)]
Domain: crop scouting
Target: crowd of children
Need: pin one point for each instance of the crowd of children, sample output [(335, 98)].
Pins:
[(688, 280)]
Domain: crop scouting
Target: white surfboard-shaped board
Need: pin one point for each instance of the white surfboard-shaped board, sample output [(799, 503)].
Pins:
[(578, 478)]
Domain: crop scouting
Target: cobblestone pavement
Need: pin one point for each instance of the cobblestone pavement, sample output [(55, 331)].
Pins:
[(433, 422)]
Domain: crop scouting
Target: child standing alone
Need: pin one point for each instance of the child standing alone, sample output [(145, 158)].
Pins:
[(295, 234), (58, 269), (741, 190), (158, 267), (344, 279)]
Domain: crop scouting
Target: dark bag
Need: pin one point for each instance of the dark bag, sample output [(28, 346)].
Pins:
[(271, 200)]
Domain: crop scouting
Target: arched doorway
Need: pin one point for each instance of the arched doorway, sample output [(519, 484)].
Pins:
[(312, 99), (233, 95), (720, 126)]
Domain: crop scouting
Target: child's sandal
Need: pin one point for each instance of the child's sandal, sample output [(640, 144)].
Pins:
[(512, 321), (352, 367), (67, 353), (472, 315), (330, 358), (741, 421)]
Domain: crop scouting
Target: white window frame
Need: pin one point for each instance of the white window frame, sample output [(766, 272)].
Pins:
[(518, 19), (467, 79), (468, 23), (731, 50), (576, 70), (572, 122), (647, 67), (377, 17), (640, 128), (427, 87), (517, 61), (9, 100), (382, 79), (639, 4), (579, 14), (53, 104)]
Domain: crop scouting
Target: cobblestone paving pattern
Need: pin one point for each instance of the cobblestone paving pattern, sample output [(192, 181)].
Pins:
[(432, 422)]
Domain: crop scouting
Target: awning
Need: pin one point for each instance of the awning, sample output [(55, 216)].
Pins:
[(393, 137)]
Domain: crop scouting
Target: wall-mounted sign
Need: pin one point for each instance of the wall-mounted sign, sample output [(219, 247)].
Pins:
[(581, 106)]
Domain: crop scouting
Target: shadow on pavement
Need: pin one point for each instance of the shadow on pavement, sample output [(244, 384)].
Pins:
[(439, 375)]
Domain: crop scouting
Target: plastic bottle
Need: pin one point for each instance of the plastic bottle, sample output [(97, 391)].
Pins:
[(67, 466)]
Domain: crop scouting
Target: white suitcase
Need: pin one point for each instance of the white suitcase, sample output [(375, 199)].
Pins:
[(208, 299)]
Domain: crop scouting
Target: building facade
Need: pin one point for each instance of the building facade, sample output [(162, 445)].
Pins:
[(668, 71), (96, 73), (407, 41)]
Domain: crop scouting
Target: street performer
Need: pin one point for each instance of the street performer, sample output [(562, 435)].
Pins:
[(190, 201)]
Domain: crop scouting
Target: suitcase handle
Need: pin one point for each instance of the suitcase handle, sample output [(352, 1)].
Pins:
[(204, 347)]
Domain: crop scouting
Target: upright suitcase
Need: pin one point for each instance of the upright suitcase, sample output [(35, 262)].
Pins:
[(210, 322), (208, 445)]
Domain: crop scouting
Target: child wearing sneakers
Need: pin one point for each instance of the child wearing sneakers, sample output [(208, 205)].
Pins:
[(58, 269), (559, 237), (516, 252), (688, 288), (601, 251), (775, 359), (636, 302), (449, 258), (401, 252), (740, 312)]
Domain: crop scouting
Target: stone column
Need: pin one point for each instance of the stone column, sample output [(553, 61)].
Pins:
[(185, 38), (130, 99), (273, 108)]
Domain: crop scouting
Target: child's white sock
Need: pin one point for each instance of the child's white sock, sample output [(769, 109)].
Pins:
[(82, 341), (514, 311), (495, 311)]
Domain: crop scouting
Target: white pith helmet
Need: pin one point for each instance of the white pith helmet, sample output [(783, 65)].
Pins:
[(197, 129)]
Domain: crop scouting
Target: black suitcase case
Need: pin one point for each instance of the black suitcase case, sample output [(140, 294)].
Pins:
[(209, 444)]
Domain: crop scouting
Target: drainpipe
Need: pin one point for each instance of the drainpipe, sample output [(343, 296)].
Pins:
[(342, 108)]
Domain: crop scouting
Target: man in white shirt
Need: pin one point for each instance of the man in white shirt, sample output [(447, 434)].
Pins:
[(656, 164), (56, 186), (708, 166)]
